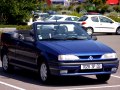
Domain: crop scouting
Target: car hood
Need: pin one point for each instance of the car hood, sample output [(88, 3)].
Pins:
[(74, 47)]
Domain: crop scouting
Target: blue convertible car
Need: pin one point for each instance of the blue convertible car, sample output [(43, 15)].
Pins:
[(57, 48)]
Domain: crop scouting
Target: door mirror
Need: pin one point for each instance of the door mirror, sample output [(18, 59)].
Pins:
[(93, 37), (111, 22)]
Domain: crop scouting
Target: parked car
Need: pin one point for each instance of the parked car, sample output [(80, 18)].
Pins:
[(62, 18), (40, 16), (99, 23), (57, 48)]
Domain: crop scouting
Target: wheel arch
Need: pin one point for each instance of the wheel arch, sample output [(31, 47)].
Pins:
[(42, 58), (91, 28), (118, 27)]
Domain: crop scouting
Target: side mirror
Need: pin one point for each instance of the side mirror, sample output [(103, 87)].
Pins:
[(110, 22), (93, 37)]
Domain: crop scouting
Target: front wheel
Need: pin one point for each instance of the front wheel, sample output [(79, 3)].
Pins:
[(118, 31), (89, 31), (5, 64), (103, 77), (44, 72)]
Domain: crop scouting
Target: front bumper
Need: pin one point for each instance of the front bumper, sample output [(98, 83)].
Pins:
[(74, 68)]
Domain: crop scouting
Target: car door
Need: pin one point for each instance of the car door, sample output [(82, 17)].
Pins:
[(94, 23), (11, 44), (26, 54), (106, 24)]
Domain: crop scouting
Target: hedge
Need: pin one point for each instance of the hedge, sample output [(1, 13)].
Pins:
[(23, 27), (8, 26)]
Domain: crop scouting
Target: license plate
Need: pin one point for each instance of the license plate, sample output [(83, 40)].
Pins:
[(91, 66)]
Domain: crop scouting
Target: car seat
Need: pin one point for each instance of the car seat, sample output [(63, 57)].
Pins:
[(61, 30), (45, 33)]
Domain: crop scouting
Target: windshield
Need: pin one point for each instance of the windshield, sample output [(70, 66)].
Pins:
[(61, 32), (55, 18), (75, 18), (83, 18)]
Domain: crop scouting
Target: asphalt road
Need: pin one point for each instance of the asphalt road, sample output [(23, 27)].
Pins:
[(27, 80)]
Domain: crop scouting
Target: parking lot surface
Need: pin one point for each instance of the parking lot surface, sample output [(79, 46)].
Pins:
[(22, 79)]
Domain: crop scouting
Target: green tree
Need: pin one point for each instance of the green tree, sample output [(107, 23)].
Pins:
[(15, 11)]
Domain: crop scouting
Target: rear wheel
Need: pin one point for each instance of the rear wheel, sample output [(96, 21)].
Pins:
[(118, 31), (103, 77), (89, 31), (5, 64)]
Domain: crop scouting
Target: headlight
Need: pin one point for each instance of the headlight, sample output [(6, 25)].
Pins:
[(67, 57), (109, 56)]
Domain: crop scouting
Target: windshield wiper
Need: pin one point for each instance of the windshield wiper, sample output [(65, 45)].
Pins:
[(75, 38), (68, 38), (52, 39)]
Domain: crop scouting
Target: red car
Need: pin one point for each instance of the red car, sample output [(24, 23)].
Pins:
[(113, 2)]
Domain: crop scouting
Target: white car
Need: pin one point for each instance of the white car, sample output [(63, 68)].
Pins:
[(99, 23), (62, 18), (40, 16)]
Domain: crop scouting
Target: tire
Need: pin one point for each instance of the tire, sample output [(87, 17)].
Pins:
[(118, 31), (5, 64), (89, 31), (44, 73), (103, 77)]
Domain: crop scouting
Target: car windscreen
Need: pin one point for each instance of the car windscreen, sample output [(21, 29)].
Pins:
[(61, 32), (83, 18), (75, 18), (55, 18), (72, 19)]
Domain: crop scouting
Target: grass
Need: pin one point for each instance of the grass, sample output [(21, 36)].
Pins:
[(8, 26), (18, 27)]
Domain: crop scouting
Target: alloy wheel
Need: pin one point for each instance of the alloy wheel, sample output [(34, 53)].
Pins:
[(5, 62), (43, 72), (118, 31), (90, 31)]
